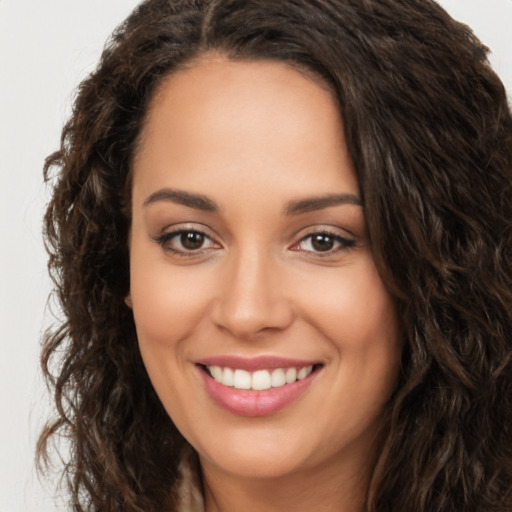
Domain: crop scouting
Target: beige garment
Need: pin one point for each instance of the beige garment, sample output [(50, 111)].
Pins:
[(188, 487)]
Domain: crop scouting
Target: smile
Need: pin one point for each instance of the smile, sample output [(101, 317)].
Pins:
[(258, 386), (258, 380)]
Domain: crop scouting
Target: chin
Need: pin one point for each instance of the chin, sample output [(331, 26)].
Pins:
[(255, 465), (256, 455)]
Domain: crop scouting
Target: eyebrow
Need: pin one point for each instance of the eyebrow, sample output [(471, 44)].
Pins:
[(197, 201), (311, 204), (201, 202)]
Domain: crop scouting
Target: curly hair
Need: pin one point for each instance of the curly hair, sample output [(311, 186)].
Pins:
[(430, 133)]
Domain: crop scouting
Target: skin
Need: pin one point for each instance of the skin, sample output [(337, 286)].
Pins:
[(254, 138)]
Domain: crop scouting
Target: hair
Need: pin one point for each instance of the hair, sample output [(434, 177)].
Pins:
[(429, 130)]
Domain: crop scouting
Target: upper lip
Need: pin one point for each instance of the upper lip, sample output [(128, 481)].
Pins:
[(254, 363)]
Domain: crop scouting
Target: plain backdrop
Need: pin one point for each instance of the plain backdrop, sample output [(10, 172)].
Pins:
[(46, 48)]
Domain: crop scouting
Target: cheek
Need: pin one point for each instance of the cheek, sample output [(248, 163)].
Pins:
[(168, 300), (354, 309), (168, 304), (358, 317)]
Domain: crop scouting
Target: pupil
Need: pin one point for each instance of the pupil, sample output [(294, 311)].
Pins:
[(322, 242), (192, 240)]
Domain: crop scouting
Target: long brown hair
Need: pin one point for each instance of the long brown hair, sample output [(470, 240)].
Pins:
[(430, 133)]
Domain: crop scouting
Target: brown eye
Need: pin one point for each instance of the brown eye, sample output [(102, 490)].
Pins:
[(192, 240), (322, 242), (186, 242)]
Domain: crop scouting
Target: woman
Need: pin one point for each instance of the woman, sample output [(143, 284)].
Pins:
[(281, 237)]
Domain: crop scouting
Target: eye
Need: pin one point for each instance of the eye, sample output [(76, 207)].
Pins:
[(185, 241), (323, 242), (191, 240)]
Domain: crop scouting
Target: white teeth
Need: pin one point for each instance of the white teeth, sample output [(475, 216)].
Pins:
[(228, 377), (278, 378), (216, 371), (260, 379), (291, 375), (304, 372), (242, 379)]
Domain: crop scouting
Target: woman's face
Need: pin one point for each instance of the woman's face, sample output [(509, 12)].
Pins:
[(262, 321)]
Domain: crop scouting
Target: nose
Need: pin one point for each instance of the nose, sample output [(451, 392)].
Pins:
[(252, 297)]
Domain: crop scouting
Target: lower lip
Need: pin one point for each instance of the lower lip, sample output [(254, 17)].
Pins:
[(255, 403)]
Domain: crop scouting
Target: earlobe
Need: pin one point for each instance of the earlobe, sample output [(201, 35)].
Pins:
[(128, 301)]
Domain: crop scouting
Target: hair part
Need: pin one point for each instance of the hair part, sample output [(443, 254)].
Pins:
[(430, 132)]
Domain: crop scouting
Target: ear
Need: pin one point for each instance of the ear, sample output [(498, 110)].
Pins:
[(128, 301)]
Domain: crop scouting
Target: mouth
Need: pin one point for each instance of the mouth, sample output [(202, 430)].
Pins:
[(256, 387), (259, 380)]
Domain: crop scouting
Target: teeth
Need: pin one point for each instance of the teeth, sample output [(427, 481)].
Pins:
[(228, 377), (217, 373), (291, 375), (304, 372), (242, 379), (260, 379), (278, 378)]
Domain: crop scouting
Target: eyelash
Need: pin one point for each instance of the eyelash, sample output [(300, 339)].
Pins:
[(343, 243)]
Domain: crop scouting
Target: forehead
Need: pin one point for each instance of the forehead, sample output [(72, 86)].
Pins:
[(220, 119)]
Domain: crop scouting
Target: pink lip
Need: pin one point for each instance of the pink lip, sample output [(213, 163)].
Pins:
[(255, 363), (254, 403)]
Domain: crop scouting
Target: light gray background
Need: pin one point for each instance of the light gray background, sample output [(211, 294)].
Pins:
[(46, 48)]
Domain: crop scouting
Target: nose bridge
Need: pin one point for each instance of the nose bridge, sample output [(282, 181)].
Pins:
[(251, 298)]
